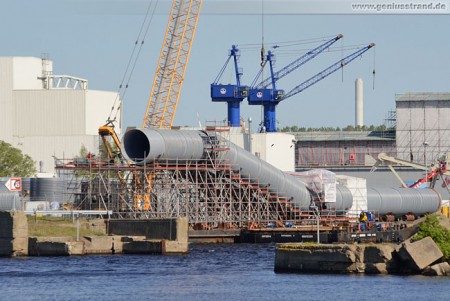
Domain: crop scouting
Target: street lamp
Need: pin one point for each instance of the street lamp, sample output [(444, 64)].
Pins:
[(425, 144)]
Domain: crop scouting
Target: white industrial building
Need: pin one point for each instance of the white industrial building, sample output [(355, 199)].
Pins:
[(423, 126), (278, 149), (47, 115)]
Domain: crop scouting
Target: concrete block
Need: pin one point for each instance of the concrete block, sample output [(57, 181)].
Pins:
[(182, 229), (99, 244), (420, 254), (6, 247), (20, 246), (378, 253), (131, 238), (75, 247), (175, 247), (376, 268), (117, 245), (143, 247), (21, 231), (40, 247), (316, 258), (97, 225), (440, 269)]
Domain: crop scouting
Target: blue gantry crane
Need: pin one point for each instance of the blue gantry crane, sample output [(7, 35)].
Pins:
[(270, 98), (233, 94), (261, 94)]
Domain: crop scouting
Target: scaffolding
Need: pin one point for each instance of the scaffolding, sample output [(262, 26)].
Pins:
[(210, 192)]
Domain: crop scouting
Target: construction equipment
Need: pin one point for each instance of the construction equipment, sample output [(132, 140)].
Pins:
[(232, 94), (165, 92), (105, 131), (432, 172), (172, 63), (270, 98)]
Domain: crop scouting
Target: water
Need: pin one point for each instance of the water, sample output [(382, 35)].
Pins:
[(208, 272)]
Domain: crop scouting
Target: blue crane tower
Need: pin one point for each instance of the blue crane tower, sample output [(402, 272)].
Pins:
[(270, 98), (232, 94)]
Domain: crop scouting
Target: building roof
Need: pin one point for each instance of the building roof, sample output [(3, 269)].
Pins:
[(422, 96), (345, 136)]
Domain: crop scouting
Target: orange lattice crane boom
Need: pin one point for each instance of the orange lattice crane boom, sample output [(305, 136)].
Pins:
[(172, 63)]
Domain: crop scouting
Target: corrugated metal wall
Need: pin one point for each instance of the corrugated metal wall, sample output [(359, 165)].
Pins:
[(45, 123), (42, 148), (420, 121), (6, 107), (341, 153), (49, 112)]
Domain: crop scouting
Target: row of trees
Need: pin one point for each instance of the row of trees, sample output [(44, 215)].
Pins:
[(348, 128)]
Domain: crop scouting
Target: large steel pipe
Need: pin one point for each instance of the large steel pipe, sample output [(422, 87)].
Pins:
[(265, 174), (344, 200), (147, 145), (400, 201)]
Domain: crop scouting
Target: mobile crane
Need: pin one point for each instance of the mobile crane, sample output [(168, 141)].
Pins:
[(432, 172), (166, 88)]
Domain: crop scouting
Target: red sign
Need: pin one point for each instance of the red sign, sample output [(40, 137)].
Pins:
[(14, 184)]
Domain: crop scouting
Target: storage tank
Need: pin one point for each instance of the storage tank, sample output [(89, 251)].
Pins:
[(47, 189), (10, 201)]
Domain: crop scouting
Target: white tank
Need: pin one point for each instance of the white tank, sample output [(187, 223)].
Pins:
[(359, 102)]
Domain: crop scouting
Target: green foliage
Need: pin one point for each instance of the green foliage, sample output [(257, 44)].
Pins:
[(46, 226), (83, 151), (441, 235), (13, 163), (348, 128)]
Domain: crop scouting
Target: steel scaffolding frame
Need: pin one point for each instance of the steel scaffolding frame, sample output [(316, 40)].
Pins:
[(210, 192)]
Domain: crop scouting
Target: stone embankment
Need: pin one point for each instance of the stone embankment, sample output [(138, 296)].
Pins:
[(161, 237), (420, 257)]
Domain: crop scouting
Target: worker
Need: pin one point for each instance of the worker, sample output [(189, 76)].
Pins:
[(362, 216), (443, 166)]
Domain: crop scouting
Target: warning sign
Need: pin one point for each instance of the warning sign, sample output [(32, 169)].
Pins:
[(14, 184)]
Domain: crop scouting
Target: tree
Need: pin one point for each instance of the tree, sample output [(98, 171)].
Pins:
[(441, 236), (13, 163)]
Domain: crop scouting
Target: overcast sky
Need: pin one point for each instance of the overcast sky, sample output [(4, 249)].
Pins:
[(94, 40)]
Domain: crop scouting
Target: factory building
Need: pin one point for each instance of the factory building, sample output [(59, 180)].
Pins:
[(342, 148), (421, 135), (47, 115), (423, 126)]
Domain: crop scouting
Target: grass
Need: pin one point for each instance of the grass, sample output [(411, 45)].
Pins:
[(47, 226)]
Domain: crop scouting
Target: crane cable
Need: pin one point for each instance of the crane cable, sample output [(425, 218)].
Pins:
[(262, 59), (373, 72), (132, 60)]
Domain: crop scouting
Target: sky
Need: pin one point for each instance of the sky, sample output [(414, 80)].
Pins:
[(94, 40)]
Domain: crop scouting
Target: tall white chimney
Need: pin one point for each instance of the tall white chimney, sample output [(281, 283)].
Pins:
[(359, 122)]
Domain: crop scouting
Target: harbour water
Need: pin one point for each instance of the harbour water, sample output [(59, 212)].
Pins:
[(208, 272)]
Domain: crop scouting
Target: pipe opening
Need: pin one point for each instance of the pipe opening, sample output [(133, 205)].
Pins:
[(136, 145)]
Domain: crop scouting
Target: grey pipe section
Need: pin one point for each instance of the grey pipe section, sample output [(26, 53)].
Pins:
[(264, 174), (400, 201), (147, 145), (344, 200)]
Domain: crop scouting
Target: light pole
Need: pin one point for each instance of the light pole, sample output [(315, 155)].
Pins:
[(425, 144)]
